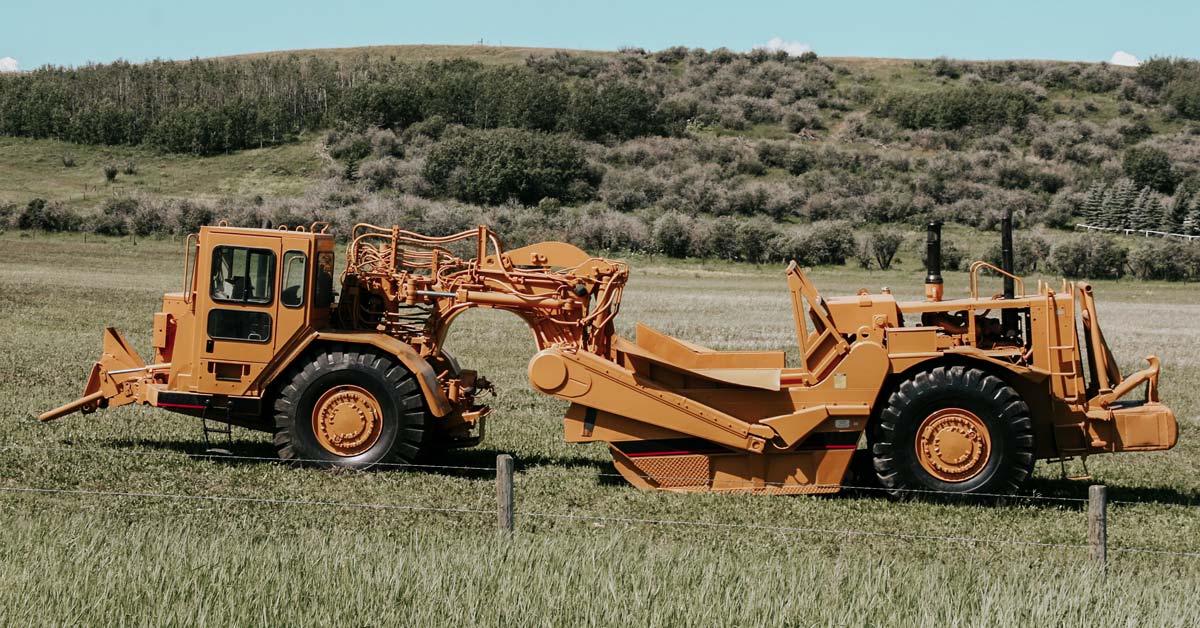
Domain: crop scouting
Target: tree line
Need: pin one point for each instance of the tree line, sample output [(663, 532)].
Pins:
[(207, 107)]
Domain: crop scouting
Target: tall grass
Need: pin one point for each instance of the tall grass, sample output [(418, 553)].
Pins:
[(70, 558)]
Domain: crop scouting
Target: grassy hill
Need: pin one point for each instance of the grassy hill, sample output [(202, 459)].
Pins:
[(682, 152)]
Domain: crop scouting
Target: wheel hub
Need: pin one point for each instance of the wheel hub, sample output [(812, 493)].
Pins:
[(347, 420), (953, 445)]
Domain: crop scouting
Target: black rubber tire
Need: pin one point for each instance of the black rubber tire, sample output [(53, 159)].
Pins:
[(1003, 412), (404, 433)]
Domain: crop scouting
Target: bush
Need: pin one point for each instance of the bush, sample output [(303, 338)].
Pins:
[(110, 173), (1029, 249), (68, 160), (130, 167), (754, 239), (379, 174), (1156, 72), (607, 230), (795, 159), (38, 214), (884, 246), (494, 166), (820, 243), (1184, 96), (1150, 167), (672, 234), (1090, 257), (193, 216), (379, 105), (715, 238), (612, 108), (1165, 260), (958, 106), (148, 220)]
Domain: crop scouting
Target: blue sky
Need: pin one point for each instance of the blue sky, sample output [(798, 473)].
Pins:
[(73, 32)]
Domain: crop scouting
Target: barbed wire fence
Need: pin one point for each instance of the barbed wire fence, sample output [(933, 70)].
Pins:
[(507, 514)]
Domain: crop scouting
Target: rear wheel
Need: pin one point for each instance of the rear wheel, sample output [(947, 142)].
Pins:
[(953, 430), (350, 407)]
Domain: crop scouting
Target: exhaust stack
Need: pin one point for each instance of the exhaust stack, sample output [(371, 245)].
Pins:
[(1008, 317), (933, 261)]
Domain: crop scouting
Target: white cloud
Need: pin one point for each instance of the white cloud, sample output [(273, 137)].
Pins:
[(1121, 57), (8, 64), (793, 48)]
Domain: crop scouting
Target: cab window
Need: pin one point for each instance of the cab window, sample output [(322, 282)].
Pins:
[(323, 280), (291, 285), (245, 325), (242, 275)]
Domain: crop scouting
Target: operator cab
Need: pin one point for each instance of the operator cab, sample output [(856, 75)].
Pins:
[(249, 292)]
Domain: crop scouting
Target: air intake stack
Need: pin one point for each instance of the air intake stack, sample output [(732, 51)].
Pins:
[(1008, 316), (933, 261)]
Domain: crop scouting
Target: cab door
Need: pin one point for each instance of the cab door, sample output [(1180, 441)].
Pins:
[(238, 299)]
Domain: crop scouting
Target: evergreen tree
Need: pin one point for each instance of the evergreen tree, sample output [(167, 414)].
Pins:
[(1176, 212), (1146, 211), (1091, 211), (1118, 205), (1191, 224)]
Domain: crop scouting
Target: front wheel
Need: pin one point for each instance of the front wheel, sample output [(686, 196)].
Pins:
[(953, 430), (350, 407)]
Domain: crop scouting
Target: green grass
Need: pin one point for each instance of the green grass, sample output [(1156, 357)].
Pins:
[(71, 558), (34, 169)]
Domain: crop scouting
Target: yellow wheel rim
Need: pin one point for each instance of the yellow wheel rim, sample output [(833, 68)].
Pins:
[(347, 420), (953, 445)]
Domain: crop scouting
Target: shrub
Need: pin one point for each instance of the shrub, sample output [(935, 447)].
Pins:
[(1184, 96), (715, 238), (672, 234), (378, 174), (378, 105), (820, 243), (754, 239), (494, 166), (1150, 167), (607, 230), (68, 160), (1165, 260), (862, 252), (148, 220), (612, 108), (884, 246), (1156, 72), (958, 106), (1029, 249), (795, 159), (38, 214), (1090, 257), (130, 167), (193, 216), (350, 147), (110, 173)]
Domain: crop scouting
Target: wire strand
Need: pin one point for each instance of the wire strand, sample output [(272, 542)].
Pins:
[(134, 452), (582, 517), (234, 498), (847, 532)]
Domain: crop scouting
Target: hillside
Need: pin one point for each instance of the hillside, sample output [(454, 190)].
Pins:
[(756, 156)]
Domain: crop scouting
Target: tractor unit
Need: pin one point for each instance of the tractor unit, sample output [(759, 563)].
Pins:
[(959, 396)]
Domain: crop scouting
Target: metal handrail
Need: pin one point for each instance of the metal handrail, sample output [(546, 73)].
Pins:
[(979, 265), (187, 244)]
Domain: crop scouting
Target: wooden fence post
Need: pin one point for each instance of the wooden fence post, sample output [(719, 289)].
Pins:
[(1098, 524), (504, 493)]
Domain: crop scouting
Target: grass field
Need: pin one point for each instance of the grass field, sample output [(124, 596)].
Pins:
[(34, 169), (68, 558)]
